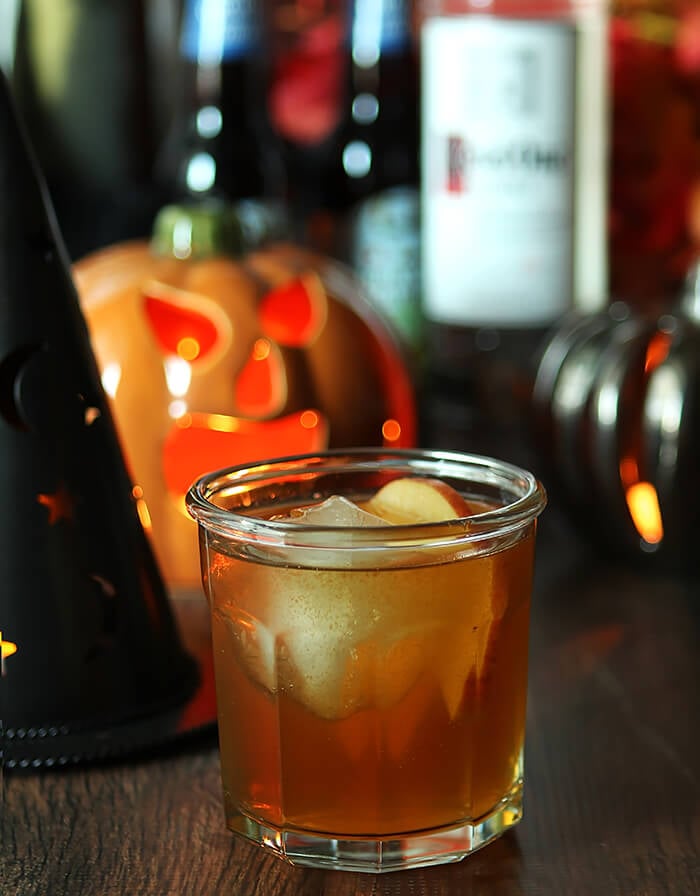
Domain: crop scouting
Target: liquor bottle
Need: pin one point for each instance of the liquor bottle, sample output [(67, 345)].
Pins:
[(513, 187), (381, 165), (654, 150), (367, 175), (221, 148)]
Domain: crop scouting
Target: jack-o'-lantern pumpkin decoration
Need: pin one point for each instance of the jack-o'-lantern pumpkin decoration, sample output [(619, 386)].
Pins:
[(212, 360), (617, 408)]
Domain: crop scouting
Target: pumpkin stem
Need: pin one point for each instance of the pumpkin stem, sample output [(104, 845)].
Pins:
[(198, 230)]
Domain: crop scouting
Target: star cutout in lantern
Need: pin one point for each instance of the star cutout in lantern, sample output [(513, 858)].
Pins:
[(59, 504), (91, 414)]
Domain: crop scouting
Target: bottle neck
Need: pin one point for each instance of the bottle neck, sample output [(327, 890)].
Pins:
[(382, 57), (219, 31), (379, 138), (222, 146), (379, 29), (221, 48)]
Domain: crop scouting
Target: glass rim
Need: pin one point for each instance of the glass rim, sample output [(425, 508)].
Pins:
[(240, 526)]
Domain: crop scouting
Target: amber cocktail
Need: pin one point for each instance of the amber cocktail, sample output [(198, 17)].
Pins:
[(370, 626)]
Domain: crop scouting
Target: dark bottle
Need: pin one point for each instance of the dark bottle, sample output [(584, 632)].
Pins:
[(368, 183), (222, 146), (81, 81)]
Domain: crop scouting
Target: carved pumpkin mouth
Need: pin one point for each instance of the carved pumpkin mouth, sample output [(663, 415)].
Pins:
[(198, 443)]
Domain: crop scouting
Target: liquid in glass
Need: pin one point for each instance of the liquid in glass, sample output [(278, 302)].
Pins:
[(370, 696)]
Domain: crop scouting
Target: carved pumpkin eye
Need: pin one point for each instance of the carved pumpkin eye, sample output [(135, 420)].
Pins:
[(191, 327), (261, 386), (294, 314)]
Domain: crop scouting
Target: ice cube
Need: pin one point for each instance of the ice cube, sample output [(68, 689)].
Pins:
[(254, 643), (337, 550), (320, 619), (335, 676), (335, 511), (463, 646)]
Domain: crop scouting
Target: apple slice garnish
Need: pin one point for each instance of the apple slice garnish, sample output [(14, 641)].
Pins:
[(418, 500)]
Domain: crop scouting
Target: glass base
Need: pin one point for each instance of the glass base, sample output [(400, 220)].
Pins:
[(438, 846)]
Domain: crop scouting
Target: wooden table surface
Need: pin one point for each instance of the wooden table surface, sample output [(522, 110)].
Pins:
[(612, 795)]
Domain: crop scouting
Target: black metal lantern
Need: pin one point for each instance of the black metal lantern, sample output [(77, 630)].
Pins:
[(617, 412), (93, 663)]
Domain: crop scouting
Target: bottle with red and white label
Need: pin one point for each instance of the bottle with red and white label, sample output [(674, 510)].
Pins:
[(513, 173)]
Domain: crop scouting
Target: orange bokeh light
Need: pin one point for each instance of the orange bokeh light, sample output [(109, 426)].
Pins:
[(188, 348), (391, 430), (309, 420)]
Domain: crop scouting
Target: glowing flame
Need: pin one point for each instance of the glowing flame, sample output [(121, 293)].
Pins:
[(643, 504), (7, 648), (657, 351)]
